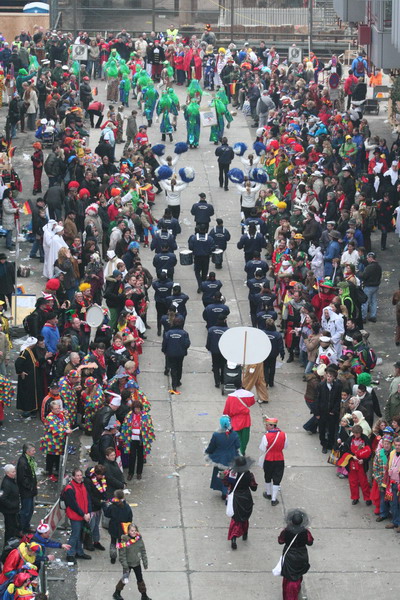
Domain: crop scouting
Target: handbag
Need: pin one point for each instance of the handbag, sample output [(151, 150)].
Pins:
[(262, 457), (229, 503), (278, 569), (333, 458)]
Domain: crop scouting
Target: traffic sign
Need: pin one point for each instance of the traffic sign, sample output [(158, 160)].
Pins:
[(79, 52), (294, 54)]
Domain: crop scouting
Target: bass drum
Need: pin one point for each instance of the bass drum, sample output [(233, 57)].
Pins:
[(94, 316), (217, 256), (186, 257)]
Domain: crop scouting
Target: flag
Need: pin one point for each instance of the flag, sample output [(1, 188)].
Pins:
[(26, 209)]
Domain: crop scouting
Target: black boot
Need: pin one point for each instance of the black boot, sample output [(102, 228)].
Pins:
[(142, 590), (233, 543), (118, 589), (171, 139), (163, 137), (149, 122), (291, 357)]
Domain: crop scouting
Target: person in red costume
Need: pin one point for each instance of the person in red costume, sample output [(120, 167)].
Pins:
[(325, 295), (358, 451), (272, 445), (237, 407)]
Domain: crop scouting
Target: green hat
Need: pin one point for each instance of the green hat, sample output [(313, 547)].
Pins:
[(364, 378), (22, 72), (343, 285), (326, 283)]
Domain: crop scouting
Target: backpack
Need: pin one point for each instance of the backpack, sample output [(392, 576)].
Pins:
[(367, 358), (353, 86), (63, 504), (12, 544), (94, 451), (361, 296), (27, 323), (360, 67)]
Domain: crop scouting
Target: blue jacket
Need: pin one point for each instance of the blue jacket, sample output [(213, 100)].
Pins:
[(258, 222), (332, 251), (51, 337), (252, 244), (202, 212), (213, 311), (276, 339), (223, 447), (214, 335), (162, 289), (176, 342), (254, 264), (356, 63), (263, 315), (209, 288), (201, 244), (180, 301), (163, 239), (45, 542), (255, 285), (165, 260), (221, 236), (171, 224)]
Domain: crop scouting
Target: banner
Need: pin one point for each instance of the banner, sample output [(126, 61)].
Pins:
[(208, 117), (55, 517)]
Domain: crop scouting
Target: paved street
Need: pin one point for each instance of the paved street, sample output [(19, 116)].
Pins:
[(183, 522)]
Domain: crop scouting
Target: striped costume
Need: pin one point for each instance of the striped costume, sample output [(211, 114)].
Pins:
[(147, 434), (69, 399), (55, 427)]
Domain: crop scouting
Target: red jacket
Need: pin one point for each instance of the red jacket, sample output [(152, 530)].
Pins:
[(276, 441), (348, 83), (77, 500), (237, 407)]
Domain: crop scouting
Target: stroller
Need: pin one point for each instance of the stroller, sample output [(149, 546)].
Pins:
[(232, 378)]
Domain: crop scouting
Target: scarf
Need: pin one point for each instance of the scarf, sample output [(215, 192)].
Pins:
[(32, 464), (101, 486), (100, 359), (130, 542)]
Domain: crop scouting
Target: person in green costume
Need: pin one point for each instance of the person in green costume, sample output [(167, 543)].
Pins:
[(165, 107), (222, 113), (194, 91), (191, 113), (111, 71), (150, 96), (175, 100)]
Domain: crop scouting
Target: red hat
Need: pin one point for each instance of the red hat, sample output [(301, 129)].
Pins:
[(82, 192), (115, 192), (53, 284), (86, 78), (129, 303)]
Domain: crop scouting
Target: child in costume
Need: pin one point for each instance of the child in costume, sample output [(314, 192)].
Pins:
[(131, 551)]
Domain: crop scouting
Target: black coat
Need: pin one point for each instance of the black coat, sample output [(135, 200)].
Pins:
[(118, 512), (100, 421), (7, 278), (26, 480), (96, 496), (9, 502), (112, 297), (328, 401), (114, 477)]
